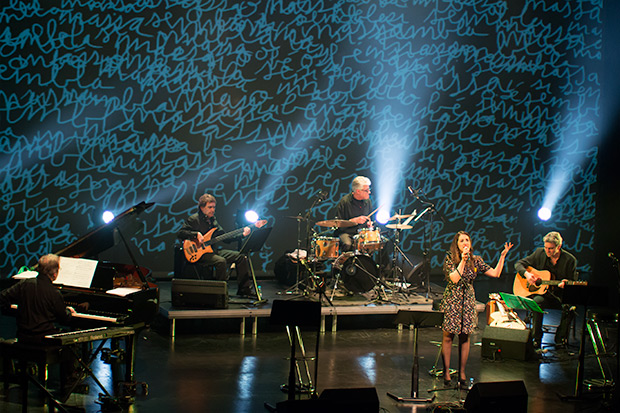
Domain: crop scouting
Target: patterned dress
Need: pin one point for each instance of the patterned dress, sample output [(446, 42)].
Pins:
[(453, 303)]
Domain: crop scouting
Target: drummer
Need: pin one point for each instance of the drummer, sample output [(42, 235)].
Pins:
[(355, 207)]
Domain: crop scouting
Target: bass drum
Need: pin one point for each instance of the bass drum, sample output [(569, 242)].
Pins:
[(358, 272)]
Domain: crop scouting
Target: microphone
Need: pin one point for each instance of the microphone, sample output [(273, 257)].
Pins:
[(466, 252), (612, 256)]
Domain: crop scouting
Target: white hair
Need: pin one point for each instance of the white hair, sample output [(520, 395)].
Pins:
[(359, 182)]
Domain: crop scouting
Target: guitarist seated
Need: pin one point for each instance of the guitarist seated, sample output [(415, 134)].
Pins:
[(562, 265), (203, 226)]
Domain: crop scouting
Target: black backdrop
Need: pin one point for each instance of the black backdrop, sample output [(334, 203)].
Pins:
[(483, 107)]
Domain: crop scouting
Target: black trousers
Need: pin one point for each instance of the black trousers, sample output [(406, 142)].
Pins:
[(551, 301), (220, 263)]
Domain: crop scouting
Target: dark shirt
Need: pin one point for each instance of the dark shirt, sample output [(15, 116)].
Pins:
[(199, 222), (40, 305), (564, 268), (348, 208)]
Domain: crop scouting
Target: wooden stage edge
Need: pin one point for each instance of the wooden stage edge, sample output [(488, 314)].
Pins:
[(254, 313), (246, 310)]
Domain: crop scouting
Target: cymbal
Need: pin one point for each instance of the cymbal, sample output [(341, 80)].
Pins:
[(398, 226), (397, 216), (298, 217), (338, 223)]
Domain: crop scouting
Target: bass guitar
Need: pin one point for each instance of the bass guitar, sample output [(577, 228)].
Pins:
[(524, 288), (193, 249)]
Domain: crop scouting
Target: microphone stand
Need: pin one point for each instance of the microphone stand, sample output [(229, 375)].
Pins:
[(427, 242), (306, 217), (616, 398), (319, 198)]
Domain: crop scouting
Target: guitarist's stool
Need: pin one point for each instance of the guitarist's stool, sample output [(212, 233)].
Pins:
[(571, 316)]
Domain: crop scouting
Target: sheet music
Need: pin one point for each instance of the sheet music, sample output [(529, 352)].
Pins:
[(76, 272), (25, 274), (122, 291)]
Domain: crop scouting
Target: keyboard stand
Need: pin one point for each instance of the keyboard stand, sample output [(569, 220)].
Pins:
[(85, 361)]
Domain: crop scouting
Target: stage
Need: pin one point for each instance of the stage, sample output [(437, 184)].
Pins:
[(336, 304)]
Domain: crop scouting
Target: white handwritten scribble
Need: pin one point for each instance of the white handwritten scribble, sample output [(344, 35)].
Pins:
[(265, 103)]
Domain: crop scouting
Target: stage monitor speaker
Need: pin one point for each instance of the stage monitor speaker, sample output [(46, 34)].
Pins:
[(199, 294), (359, 400), (506, 343), (501, 396)]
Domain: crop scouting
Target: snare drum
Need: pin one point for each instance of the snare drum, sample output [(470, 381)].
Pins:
[(326, 247), (368, 240)]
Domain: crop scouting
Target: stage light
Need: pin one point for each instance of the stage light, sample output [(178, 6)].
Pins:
[(107, 216), (544, 213), (251, 216), (383, 216)]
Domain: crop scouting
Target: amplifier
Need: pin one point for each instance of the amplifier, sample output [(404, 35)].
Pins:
[(199, 293), (506, 343)]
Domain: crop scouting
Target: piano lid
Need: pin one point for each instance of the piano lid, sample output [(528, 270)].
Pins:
[(102, 238)]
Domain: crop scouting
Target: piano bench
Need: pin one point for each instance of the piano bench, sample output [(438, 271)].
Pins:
[(18, 360)]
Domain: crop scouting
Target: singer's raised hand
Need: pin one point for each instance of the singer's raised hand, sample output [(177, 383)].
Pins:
[(507, 247)]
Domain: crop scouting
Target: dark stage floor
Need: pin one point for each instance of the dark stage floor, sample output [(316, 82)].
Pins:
[(203, 370)]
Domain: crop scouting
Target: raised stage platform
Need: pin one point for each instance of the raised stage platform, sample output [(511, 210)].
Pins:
[(384, 300)]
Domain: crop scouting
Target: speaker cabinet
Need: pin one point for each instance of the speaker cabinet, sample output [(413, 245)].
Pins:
[(358, 400), (501, 396), (199, 294), (506, 343)]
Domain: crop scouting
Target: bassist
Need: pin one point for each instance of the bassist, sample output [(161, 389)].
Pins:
[(563, 265), (197, 227)]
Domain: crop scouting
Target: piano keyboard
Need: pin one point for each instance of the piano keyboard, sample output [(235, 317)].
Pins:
[(97, 317), (91, 334)]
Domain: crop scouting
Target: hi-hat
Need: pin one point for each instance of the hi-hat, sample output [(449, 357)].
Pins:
[(397, 216), (338, 223), (399, 226), (298, 217)]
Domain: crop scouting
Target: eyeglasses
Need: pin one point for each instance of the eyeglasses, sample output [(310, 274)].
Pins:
[(365, 190)]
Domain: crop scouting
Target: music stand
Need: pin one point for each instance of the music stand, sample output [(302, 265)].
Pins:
[(516, 302), (582, 295), (253, 243), (417, 319), (293, 314)]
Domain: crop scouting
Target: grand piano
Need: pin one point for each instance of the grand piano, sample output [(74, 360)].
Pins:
[(94, 304), (101, 315)]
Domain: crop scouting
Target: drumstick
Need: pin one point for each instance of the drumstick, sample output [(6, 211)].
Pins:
[(372, 213)]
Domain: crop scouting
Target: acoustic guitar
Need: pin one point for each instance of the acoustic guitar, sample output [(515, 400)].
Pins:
[(523, 288), (502, 316), (193, 249)]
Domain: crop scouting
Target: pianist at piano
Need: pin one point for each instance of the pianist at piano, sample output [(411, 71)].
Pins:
[(40, 303)]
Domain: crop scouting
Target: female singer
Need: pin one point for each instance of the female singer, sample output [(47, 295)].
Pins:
[(461, 267)]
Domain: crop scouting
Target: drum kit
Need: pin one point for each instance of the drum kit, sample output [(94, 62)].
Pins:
[(356, 269)]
